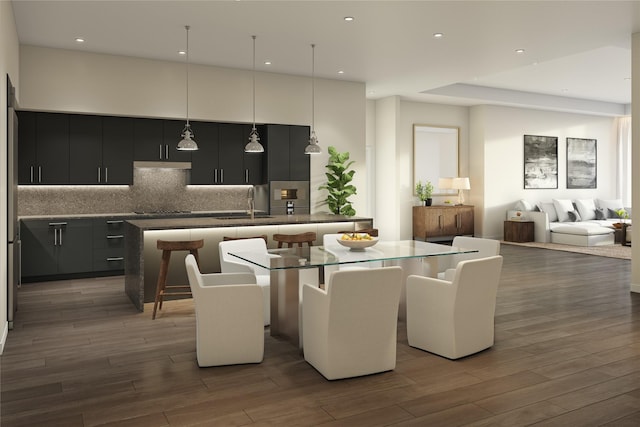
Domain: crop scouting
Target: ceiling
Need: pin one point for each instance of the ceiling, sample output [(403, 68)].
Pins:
[(577, 54)]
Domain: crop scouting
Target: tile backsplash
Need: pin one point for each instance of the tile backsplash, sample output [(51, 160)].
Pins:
[(152, 189)]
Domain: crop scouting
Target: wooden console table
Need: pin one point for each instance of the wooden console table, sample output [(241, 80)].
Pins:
[(437, 223)]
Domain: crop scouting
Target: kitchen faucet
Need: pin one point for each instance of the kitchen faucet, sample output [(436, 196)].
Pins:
[(251, 202)]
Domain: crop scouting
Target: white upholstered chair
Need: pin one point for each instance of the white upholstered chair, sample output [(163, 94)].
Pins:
[(229, 327), (454, 319), (349, 329), (230, 264), (485, 247)]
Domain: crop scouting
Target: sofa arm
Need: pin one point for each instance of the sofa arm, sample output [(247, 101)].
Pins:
[(541, 229)]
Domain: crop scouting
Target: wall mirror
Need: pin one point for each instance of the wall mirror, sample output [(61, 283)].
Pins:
[(435, 155)]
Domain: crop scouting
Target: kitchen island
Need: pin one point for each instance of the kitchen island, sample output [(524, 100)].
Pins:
[(142, 258)]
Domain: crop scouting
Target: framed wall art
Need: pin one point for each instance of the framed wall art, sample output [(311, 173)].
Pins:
[(540, 161), (582, 163)]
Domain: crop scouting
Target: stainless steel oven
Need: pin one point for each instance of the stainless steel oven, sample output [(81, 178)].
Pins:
[(289, 197)]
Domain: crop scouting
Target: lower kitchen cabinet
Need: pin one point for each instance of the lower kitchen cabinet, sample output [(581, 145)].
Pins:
[(56, 247), (67, 247)]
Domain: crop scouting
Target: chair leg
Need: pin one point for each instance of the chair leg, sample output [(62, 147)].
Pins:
[(162, 279)]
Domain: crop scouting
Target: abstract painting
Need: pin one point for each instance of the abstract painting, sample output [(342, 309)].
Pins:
[(540, 161), (582, 161)]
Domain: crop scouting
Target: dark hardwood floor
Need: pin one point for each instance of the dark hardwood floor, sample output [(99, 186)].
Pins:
[(567, 353)]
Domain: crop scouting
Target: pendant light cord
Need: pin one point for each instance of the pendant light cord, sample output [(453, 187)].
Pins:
[(313, 85), (187, 27), (254, 82)]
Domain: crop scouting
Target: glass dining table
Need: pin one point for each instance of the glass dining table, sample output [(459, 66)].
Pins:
[(290, 268)]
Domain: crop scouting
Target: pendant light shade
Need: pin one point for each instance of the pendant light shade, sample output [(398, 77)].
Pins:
[(313, 147), (187, 143), (254, 146)]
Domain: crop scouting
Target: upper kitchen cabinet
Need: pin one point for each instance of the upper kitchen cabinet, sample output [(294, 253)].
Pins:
[(220, 158), (252, 161), (156, 140), (101, 150), (284, 147), (43, 148)]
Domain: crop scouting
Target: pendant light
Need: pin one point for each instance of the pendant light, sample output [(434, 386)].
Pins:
[(254, 146), (313, 147), (187, 143)]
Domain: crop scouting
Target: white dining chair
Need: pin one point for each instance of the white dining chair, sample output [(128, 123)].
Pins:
[(486, 248)]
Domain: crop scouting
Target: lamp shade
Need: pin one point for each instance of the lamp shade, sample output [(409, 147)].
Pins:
[(461, 184)]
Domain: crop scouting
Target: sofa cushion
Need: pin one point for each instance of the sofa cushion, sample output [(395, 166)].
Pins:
[(550, 210), (563, 207), (586, 209), (581, 231), (614, 205), (523, 205), (600, 214)]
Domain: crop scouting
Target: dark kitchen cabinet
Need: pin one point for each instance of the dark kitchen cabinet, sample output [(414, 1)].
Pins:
[(252, 161), (220, 158), (172, 134), (286, 160), (108, 244), (117, 150), (156, 140), (85, 149), (43, 148), (56, 247)]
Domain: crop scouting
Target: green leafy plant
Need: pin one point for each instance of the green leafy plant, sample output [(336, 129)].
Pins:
[(622, 213), (424, 191), (338, 183)]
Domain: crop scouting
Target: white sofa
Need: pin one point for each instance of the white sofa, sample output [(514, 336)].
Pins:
[(583, 222)]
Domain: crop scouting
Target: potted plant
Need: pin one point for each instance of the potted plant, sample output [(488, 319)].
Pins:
[(424, 192), (338, 183)]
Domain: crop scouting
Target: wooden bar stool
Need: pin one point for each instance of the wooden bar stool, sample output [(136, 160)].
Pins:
[(298, 239), (162, 289)]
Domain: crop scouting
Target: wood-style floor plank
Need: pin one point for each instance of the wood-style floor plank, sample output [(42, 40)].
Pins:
[(567, 352)]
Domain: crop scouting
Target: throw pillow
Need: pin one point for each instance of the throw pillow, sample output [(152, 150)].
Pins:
[(574, 216), (523, 206), (614, 205), (586, 209), (600, 215), (550, 210), (563, 207)]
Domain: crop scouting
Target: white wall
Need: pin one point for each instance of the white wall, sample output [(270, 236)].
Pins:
[(73, 81), (635, 154), (8, 65), (498, 137)]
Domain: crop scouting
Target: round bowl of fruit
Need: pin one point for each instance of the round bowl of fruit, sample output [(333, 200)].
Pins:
[(357, 241)]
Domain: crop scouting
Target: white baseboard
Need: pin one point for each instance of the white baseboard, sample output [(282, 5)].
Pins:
[(5, 332), (635, 287)]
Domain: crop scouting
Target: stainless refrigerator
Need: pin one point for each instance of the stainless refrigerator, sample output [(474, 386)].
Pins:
[(13, 226)]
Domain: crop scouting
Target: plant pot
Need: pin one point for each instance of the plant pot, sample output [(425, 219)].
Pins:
[(428, 202)]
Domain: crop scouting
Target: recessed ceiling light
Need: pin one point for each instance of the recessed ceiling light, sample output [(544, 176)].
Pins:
[(79, 40), (519, 50), (349, 18), (182, 52), (340, 72), (267, 62), (438, 35)]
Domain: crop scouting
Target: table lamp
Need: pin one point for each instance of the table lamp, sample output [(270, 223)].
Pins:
[(461, 184)]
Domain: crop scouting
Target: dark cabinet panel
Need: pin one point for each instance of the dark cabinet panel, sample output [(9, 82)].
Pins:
[(204, 162), (39, 249), (27, 147), (75, 254), (117, 150), (286, 160), (231, 154), (108, 244), (52, 133), (253, 161), (148, 140), (172, 134), (85, 149)]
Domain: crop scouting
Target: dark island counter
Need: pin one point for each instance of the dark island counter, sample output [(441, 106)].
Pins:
[(142, 258)]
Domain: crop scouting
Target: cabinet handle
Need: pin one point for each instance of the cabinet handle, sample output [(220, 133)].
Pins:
[(440, 221), (106, 175), (55, 237), (60, 236), (39, 174), (166, 151), (31, 174), (115, 221), (98, 174), (57, 224), (160, 147), (118, 258), (222, 176), (215, 176), (246, 176), (115, 236)]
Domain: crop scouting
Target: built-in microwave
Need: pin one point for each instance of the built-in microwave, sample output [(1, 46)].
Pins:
[(289, 197)]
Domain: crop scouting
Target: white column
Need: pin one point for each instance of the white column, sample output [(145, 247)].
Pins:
[(635, 164)]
